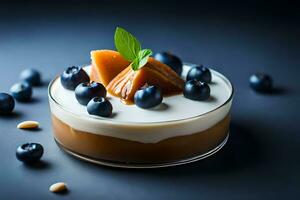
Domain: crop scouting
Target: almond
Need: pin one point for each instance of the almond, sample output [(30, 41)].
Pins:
[(58, 187), (28, 125)]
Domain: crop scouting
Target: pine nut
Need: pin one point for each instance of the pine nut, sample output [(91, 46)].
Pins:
[(28, 125), (58, 187)]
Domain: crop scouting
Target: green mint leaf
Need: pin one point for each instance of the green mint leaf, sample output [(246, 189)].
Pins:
[(142, 59), (127, 45)]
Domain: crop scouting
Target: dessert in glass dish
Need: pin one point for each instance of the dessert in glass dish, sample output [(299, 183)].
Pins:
[(127, 109)]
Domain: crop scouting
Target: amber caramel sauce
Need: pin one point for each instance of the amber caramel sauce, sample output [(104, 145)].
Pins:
[(102, 147)]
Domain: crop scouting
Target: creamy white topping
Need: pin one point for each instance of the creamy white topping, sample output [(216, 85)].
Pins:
[(176, 116)]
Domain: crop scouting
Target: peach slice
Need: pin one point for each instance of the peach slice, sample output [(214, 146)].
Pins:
[(106, 65), (126, 83)]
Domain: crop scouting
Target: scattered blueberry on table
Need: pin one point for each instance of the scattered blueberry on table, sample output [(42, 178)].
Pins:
[(7, 103), (148, 97), (84, 92), (261, 82), (73, 76), (29, 152), (99, 106), (199, 73), (171, 60), (196, 90), (31, 76), (21, 91)]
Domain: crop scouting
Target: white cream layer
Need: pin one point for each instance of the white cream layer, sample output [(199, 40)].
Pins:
[(177, 115)]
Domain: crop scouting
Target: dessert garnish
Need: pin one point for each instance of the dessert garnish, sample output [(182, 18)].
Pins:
[(199, 73), (196, 90), (106, 65), (148, 97), (84, 92), (7, 103), (28, 125), (130, 48), (171, 60), (29, 153), (99, 106), (21, 91), (32, 76), (261, 82), (73, 76), (130, 69), (58, 187)]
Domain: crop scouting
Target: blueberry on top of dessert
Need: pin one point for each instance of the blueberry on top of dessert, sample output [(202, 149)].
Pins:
[(73, 76), (196, 90), (84, 92), (171, 60), (148, 97), (199, 73), (99, 106)]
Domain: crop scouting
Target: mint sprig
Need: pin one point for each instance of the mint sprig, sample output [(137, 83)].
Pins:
[(130, 48)]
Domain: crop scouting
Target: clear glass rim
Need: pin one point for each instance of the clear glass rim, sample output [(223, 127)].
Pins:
[(108, 120)]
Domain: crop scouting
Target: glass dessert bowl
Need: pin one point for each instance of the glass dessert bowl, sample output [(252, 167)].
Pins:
[(176, 132), (128, 109)]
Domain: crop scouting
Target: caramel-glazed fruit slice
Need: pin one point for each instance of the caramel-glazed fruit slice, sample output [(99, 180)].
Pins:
[(106, 65), (126, 83)]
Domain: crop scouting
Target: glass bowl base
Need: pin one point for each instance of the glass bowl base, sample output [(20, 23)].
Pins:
[(110, 163)]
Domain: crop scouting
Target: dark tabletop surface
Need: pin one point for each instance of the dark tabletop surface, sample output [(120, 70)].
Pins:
[(261, 159)]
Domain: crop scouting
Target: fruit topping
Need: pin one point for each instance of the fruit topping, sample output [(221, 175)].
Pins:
[(21, 91), (84, 92), (106, 64), (7, 103), (29, 152), (32, 76), (99, 106), (153, 73), (199, 73), (261, 82), (196, 90), (171, 60), (148, 97), (73, 76)]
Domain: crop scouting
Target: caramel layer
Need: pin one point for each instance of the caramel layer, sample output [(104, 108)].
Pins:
[(119, 150)]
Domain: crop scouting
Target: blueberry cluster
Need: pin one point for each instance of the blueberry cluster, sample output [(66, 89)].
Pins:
[(196, 86), (90, 94), (22, 91), (28, 153)]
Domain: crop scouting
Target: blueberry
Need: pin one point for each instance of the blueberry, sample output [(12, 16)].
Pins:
[(171, 60), (99, 106), (29, 152), (21, 91), (7, 103), (196, 90), (261, 82), (84, 92), (32, 76), (148, 97), (73, 76), (199, 73)]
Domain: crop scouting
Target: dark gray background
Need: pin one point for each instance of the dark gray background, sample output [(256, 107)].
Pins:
[(261, 159)]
